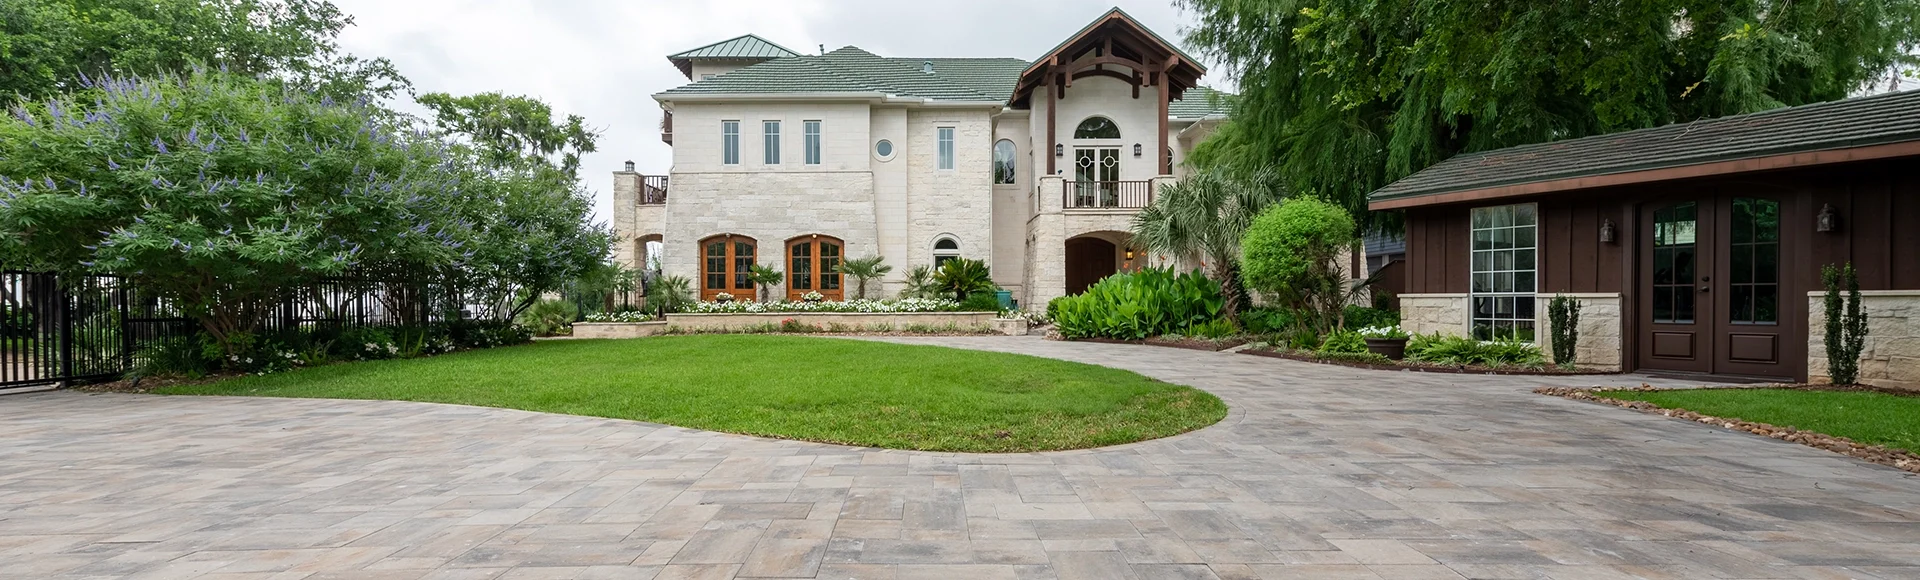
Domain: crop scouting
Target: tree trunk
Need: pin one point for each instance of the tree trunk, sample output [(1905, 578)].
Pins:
[(1233, 293)]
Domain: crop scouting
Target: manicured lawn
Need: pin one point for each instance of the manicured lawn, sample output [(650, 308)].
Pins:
[(817, 389), (1872, 418)]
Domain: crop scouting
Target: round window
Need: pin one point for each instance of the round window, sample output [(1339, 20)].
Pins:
[(884, 148)]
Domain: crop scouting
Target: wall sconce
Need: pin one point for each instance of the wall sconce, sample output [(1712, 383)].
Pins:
[(1136, 149), (1129, 254), (1606, 232), (1828, 220), (1059, 150)]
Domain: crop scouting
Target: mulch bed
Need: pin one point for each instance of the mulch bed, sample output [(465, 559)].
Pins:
[(1896, 458), (1186, 343), (148, 384), (1426, 368)]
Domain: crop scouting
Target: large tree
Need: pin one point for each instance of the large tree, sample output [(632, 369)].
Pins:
[(46, 46), (1348, 95), (1202, 219)]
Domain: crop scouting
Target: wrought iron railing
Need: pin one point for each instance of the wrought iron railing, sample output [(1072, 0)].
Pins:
[(653, 190), (1106, 194)]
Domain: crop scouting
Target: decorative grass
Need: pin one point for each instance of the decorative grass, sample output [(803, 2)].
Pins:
[(815, 389), (1863, 416)]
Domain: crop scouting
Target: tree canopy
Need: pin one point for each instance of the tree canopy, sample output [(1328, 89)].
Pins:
[(1347, 95)]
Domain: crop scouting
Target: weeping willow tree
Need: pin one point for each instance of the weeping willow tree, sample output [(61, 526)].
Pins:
[(1344, 96)]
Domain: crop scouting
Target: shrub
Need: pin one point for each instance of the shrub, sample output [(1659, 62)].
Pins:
[(182, 356), (920, 284), (670, 294), (1462, 351), (549, 317), (1215, 329), (1137, 305), (980, 302), (1846, 329), (1302, 339), (1268, 320), (1344, 341), (1355, 357), (1564, 314), (1355, 316), (960, 277), (1292, 251), (1511, 353)]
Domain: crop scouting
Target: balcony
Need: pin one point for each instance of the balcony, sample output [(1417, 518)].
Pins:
[(666, 127), (1093, 195), (653, 190)]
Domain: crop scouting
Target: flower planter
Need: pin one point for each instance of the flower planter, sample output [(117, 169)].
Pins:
[(1392, 348)]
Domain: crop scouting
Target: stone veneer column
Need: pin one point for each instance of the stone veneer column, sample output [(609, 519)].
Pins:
[(1430, 313), (1600, 346), (1046, 246), (1891, 358)]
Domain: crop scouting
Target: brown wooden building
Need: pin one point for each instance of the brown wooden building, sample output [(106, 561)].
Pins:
[(1693, 247)]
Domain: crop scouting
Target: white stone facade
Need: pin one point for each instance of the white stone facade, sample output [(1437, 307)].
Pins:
[(1891, 358)]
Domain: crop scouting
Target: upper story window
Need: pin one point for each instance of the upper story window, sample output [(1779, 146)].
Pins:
[(772, 130), (1003, 162), (944, 249), (946, 147), (1504, 245), (730, 142), (1097, 128), (812, 145)]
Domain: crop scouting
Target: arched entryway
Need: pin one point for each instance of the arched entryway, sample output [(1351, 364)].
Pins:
[(1096, 255), (813, 265), (725, 261)]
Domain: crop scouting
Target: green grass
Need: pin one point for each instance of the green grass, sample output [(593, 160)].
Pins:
[(1866, 417), (815, 389)]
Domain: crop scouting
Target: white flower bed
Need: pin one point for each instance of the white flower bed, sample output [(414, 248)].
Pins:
[(850, 306), (629, 316)]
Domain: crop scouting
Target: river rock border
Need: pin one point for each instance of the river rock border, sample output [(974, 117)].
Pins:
[(1896, 458)]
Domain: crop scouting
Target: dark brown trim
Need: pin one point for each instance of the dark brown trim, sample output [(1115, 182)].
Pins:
[(1784, 161), (1161, 152), (1105, 73), (1053, 108)]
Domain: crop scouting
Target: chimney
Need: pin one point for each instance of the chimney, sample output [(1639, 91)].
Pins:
[(629, 167)]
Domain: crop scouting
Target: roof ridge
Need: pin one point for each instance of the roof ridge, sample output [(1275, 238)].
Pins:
[(757, 37)]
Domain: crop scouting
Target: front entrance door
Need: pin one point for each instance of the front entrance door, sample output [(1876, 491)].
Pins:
[(1088, 261), (813, 266), (1711, 297), (1096, 173), (725, 262)]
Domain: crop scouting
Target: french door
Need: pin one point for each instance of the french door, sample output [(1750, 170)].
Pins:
[(725, 261), (1096, 173), (1712, 297), (812, 266)]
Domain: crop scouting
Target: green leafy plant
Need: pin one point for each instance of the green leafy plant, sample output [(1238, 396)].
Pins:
[(1389, 332), (1267, 320), (1464, 351), (549, 317), (1137, 305), (1563, 313), (1292, 252), (1354, 357), (862, 270), (1344, 341), (1846, 324), (670, 294), (765, 278), (961, 276), (981, 302), (1203, 217), (1356, 316), (1215, 329), (920, 284)]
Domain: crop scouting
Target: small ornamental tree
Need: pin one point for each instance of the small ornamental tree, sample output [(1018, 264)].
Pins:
[(1564, 313), (863, 270), (765, 277), (1846, 324), (1292, 251)]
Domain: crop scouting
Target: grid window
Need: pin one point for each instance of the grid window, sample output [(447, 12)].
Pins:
[(1756, 261), (812, 145), (1504, 256), (946, 147), (730, 142), (1675, 234), (772, 130), (1003, 162)]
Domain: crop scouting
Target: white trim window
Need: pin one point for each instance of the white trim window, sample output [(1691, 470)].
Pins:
[(811, 144), (1505, 272), (730, 142), (946, 147), (945, 249), (1005, 162), (772, 140)]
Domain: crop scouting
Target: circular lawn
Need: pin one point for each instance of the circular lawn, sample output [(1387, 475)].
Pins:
[(851, 392)]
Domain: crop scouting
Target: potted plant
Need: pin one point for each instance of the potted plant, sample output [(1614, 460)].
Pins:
[(1387, 341), (723, 297), (812, 297)]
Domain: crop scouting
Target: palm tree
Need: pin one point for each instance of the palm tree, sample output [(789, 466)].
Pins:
[(765, 277), (961, 276), (864, 269), (1203, 217), (920, 283)]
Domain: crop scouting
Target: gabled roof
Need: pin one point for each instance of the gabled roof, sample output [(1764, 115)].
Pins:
[(1697, 146), (852, 70), (1114, 31), (1200, 103), (743, 47)]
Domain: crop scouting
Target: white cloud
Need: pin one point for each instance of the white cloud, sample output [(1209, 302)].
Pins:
[(601, 59)]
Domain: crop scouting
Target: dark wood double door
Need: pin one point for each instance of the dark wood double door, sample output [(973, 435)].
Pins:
[(1712, 293)]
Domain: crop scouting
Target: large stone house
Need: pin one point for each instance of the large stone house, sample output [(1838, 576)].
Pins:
[(800, 161)]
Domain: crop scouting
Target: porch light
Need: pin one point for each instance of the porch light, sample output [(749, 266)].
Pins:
[(1136, 149), (1129, 253), (1606, 232), (1829, 220), (1059, 150)]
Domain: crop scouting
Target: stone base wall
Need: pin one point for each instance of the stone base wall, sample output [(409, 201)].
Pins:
[(1600, 345), (617, 329), (1430, 313), (1891, 358), (897, 320)]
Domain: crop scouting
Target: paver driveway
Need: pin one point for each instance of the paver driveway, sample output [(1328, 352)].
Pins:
[(1320, 472)]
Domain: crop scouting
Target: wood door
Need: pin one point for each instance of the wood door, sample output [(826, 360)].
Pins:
[(1754, 314), (1097, 175), (1677, 293), (1088, 261), (812, 264), (725, 261)]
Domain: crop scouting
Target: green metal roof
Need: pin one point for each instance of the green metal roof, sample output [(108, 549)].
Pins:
[(745, 46), (1856, 122), (852, 70), (1201, 102)]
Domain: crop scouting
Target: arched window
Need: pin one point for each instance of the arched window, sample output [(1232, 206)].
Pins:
[(946, 248), (1003, 162), (725, 261), (1097, 128), (813, 265)]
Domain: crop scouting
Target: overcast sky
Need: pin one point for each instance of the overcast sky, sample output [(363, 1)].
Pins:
[(602, 58)]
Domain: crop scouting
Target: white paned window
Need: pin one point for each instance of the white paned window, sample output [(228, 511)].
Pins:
[(812, 144), (946, 147), (772, 130), (730, 142), (1504, 273)]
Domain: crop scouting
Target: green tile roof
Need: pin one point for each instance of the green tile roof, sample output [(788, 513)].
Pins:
[(743, 47), (1856, 122), (1200, 102)]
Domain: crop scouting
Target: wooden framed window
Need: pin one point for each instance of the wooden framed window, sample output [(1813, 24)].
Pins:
[(725, 261), (812, 264)]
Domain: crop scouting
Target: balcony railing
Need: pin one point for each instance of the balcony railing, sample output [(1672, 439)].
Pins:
[(1106, 194), (653, 190)]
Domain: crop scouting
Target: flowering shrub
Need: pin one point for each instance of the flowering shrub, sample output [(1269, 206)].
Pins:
[(904, 305), (628, 316), (1382, 332), (723, 297), (813, 297)]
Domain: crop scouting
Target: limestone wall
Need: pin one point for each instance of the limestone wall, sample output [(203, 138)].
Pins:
[(850, 319), (617, 329), (1891, 358), (1600, 345), (1430, 313)]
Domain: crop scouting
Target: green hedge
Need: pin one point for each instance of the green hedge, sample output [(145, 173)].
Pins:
[(1138, 305)]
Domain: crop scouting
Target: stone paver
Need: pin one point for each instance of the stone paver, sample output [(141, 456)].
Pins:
[(1319, 472)]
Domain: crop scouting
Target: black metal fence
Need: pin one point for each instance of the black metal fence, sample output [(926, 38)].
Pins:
[(58, 329)]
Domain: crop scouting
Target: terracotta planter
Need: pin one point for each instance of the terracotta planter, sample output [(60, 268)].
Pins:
[(1392, 348)]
